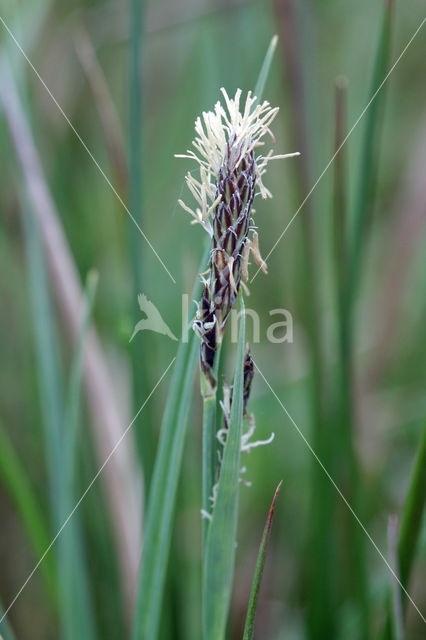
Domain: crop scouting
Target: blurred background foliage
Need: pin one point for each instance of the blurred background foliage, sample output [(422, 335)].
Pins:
[(189, 49)]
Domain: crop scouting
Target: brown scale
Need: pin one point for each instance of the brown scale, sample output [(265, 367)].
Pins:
[(231, 224)]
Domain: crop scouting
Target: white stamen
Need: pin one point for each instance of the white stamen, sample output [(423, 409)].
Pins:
[(244, 130)]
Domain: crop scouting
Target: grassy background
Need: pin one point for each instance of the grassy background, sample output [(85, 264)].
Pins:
[(190, 49)]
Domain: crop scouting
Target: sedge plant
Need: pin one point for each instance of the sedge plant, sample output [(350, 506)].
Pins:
[(231, 168)]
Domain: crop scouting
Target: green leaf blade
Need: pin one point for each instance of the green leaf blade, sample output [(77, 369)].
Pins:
[(14, 478), (370, 149), (221, 538), (258, 572), (264, 71), (162, 497), (6, 632)]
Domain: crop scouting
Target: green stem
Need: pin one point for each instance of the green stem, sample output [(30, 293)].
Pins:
[(412, 513), (209, 454), (410, 527), (6, 632), (14, 479), (368, 168), (144, 433), (347, 472)]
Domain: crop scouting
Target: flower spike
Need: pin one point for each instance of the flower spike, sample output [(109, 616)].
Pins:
[(230, 176)]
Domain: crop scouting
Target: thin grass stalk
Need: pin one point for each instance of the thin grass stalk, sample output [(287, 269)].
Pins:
[(162, 496), (107, 112), (410, 528), (50, 375), (209, 448), (412, 514), (6, 632), (362, 216), (106, 419), (347, 473), (295, 61), (258, 572), (140, 378), (264, 70), (75, 576), (15, 481), (219, 556), (397, 612), (72, 575), (158, 527), (340, 197), (73, 398), (369, 157)]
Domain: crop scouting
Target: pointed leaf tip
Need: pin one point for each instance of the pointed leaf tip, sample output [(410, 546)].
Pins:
[(258, 572)]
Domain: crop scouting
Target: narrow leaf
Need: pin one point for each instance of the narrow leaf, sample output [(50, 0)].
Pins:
[(410, 528), (258, 572), (397, 614), (73, 579), (221, 538), (15, 480), (209, 455), (412, 513), (162, 497), (6, 632), (73, 403), (264, 71), (370, 146)]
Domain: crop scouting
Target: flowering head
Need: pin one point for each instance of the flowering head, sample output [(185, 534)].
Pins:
[(231, 168)]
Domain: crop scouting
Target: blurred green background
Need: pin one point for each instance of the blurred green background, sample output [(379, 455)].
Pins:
[(188, 49)]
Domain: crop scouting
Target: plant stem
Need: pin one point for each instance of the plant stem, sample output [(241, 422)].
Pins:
[(410, 527), (347, 472), (397, 612), (209, 453), (295, 58), (145, 436), (219, 553), (412, 513), (368, 167)]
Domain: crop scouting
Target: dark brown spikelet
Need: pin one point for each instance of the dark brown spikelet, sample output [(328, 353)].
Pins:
[(206, 327), (248, 378), (248, 374), (231, 224)]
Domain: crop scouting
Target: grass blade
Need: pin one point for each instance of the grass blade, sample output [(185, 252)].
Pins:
[(258, 572), (121, 478), (73, 404), (410, 527), (298, 37), (73, 560), (6, 632), (162, 495), (397, 613), (17, 484), (412, 513), (370, 146), (72, 575), (209, 464), (264, 71), (220, 548), (50, 375), (140, 373)]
